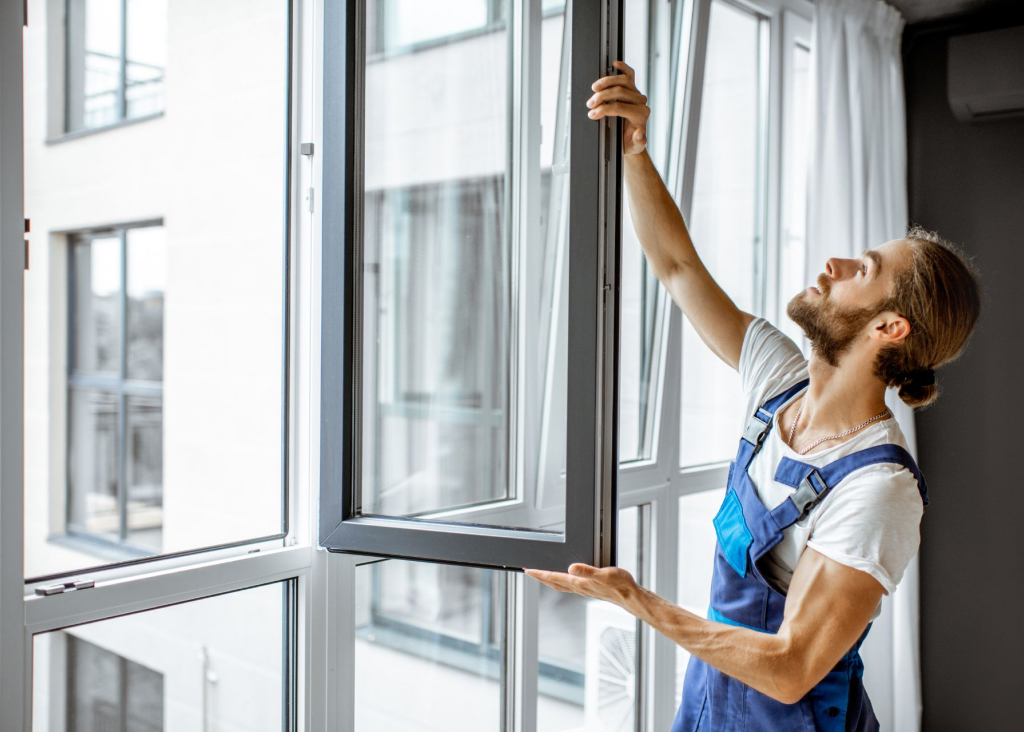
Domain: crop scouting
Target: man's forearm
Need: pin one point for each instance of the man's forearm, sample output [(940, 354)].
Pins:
[(659, 224), (763, 661)]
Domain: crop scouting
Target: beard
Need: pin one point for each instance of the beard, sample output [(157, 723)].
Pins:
[(830, 328)]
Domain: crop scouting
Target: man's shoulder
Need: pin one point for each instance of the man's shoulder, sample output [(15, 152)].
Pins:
[(888, 481), (770, 362)]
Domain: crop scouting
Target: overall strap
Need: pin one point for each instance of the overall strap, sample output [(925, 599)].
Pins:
[(760, 423), (813, 484)]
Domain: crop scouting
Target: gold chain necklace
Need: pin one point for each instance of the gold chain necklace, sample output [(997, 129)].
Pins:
[(792, 429)]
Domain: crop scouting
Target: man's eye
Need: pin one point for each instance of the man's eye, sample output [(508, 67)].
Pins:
[(864, 270)]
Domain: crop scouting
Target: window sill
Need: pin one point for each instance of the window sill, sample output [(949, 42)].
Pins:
[(78, 134)]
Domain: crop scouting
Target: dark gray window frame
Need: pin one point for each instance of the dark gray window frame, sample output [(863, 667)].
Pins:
[(593, 337)]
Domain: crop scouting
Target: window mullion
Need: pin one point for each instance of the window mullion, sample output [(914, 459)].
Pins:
[(122, 401), (521, 648), (693, 21), (122, 82)]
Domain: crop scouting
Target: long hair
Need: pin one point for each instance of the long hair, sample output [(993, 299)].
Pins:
[(940, 295)]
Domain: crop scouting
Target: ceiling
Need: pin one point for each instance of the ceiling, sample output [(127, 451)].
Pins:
[(915, 11)]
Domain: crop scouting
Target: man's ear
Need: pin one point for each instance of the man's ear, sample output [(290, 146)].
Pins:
[(891, 328)]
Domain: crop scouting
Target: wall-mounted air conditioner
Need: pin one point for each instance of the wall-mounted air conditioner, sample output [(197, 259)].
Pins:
[(986, 75)]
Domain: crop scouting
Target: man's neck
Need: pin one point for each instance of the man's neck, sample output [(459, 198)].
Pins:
[(839, 397)]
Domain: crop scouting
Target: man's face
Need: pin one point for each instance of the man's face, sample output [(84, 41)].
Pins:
[(847, 298)]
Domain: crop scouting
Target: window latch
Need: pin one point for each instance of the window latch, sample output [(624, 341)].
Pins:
[(57, 589)]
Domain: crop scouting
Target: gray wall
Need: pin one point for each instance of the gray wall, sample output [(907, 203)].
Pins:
[(967, 182)]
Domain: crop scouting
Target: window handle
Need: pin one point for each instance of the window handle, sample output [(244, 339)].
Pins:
[(84, 584)]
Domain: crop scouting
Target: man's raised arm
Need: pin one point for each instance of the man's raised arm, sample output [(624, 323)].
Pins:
[(660, 227)]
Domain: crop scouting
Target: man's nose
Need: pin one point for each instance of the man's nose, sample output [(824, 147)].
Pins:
[(836, 267)]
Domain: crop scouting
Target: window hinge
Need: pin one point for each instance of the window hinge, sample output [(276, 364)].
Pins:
[(28, 228), (306, 148), (309, 200), (85, 584)]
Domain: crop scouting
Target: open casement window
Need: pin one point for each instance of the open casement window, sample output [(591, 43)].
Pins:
[(470, 285)]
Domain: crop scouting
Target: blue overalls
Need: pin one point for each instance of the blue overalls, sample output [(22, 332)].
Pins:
[(747, 531)]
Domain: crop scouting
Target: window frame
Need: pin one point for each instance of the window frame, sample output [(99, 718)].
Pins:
[(594, 198), (122, 85), (326, 609)]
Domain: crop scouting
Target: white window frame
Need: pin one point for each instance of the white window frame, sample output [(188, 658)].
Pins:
[(326, 582)]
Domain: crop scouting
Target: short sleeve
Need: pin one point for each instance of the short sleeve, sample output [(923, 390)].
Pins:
[(871, 522), (766, 354)]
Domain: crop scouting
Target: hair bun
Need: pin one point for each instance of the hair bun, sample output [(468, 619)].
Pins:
[(922, 377)]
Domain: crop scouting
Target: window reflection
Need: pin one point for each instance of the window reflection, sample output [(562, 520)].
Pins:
[(459, 321)]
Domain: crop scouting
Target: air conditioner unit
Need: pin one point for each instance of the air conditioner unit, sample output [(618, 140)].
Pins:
[(986, 75), (609, 692)]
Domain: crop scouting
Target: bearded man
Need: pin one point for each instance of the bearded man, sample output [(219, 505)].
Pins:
[(824, 502)]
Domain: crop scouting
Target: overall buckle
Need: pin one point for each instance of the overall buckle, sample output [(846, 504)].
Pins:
[(811, 490), (756, 431)]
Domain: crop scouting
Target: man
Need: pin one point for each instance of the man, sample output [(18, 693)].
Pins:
[(824, 503)]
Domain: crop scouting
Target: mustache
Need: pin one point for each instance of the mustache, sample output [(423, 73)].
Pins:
[(822, 284)]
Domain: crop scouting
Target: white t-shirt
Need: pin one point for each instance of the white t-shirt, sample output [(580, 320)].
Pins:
[(871, 520)]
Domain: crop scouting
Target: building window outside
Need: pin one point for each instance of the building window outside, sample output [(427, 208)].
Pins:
[(109, 693), (115, 386), (116, 54)]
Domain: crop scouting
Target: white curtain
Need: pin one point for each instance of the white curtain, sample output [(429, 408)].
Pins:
[(857, 199)]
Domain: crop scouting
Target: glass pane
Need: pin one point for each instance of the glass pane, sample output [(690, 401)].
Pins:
[(93, 463), (588, 653), (146, 56), (144, 470), (697, 541), (429, 647), (213, 664), (449, 345), (411, 22), (725, 223), (147, 282), (96, 314), (93, 63), (640, 292), (798, 122), (108, 692), (180, 324)]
